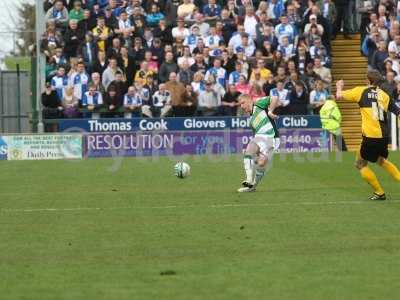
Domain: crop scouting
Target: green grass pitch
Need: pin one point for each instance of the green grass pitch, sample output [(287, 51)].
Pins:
[(128, 229)]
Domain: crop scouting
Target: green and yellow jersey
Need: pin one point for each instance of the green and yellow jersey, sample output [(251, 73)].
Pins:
[(260, 122), (374, 104)]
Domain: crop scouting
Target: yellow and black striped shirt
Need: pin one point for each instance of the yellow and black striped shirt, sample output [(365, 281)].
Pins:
[(374, 104)]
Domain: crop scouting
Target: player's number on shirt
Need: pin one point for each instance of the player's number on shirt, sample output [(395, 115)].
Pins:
[(377, 112)]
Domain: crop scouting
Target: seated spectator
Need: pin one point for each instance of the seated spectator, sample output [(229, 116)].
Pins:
[(125, 24), (167, 67), (313, 21), (186, 57), (59, 57), (190, 101), (212, 40), (269, 85), (192, 40), (234, 76), (161, 102), (323, 72), (155, 16), (77, 12), (180, 31), (283, 96), (70, 103), (211, 11), (230, 101), (96, 81), (59, 14), (177, 90), (101, 33), (100, 64), (389, 84), (242, 85), (261, 69), (185, 75), (79, 79), (209, 101), (309, 77), (186, 9), (198, 83), (318, 96), (163, 32), (302, 59), (245, 46), (133, 102), (92, 99), (110, 73), (256, 91), (203, 26), (285, 29), (143, 72), (217, 72), (286, 48), (298, 100)]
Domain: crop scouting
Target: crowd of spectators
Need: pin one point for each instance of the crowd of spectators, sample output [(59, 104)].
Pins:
[(161, 58), (380, 31)]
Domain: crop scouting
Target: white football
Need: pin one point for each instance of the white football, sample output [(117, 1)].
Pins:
[(182, 170)]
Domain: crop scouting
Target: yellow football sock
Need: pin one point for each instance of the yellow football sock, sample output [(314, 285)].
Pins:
[(391, 169), (369, 176)]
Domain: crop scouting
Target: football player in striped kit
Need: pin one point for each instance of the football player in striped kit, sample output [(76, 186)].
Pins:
[(261, 148)]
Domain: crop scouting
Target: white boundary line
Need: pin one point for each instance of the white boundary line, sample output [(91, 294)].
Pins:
[(227, 205)]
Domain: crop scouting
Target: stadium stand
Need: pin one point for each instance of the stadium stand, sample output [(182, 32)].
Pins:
[(211, 47)]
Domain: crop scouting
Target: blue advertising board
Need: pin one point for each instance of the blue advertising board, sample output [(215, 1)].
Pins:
[(178, 124)]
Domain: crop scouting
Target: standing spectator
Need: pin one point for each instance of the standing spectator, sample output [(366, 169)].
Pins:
[(52, 107), (285, 29), (167, 67), (209, 102), (250, 22), (217, 72), (323, 72), (283, 96), (119, 84), (318, 96), (88, 51), (92, 99), (109, 74), (379, 57), (112, 102), (298, 99), (177, 91), (161, 102), (60, 82), (96, 81), (101, 33), (342, 18), (70, 103), (100, 64), (79, 80), (204, 27), (155, 16), (190, 101), (230, 101), (133, 102), (73, 38)]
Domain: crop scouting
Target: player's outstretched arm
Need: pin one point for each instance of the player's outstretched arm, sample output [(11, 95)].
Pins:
[(275, 103)]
